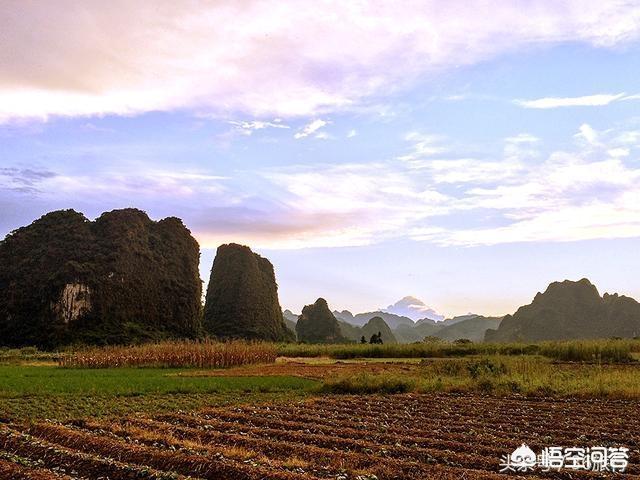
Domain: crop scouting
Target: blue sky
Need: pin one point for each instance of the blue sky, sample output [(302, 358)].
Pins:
[(467, 155)]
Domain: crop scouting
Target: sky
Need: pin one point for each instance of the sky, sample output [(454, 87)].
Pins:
[(467, 153)]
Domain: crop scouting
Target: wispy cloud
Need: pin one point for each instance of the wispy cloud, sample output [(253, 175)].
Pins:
[(26, 180), (248, 127), (584, 101), (262, 59), (312, 128), (588, 190), (423, 146), (587, 193)]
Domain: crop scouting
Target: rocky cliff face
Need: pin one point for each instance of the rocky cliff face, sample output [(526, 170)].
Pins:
[(317, 324), (119, 279), (570, 310), (242, 297)]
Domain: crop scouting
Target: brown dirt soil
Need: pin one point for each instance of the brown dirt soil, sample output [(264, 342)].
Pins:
[(411, 436), (308, 369)]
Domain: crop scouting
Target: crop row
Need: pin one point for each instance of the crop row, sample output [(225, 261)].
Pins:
[(401, 436)]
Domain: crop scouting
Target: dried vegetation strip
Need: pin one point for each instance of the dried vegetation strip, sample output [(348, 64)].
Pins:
[(53, 456), (175, 354), (157, 457), (16, 471), (324, 462)]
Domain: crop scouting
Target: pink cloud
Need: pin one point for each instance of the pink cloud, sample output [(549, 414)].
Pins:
[(83, 58)]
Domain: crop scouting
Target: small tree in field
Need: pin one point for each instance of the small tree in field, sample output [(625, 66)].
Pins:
[(363, 340), (376, 338)]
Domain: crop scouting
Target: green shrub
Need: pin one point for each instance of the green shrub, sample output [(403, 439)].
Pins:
[(368, 384), (486, 367)]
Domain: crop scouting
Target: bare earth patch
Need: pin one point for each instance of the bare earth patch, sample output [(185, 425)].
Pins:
[(313, 368)]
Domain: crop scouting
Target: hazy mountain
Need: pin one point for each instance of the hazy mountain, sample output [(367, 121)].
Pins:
[(290, 316), (344, 315), (378, 325), (372, 327), (570, 310), (242, 297), (471, 327), (391, 319), (460, 318), (350, 331), (416, 333), (413, 308), (361, 319), (317, 324)]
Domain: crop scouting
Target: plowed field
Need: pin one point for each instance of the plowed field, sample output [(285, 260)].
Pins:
[(391, 437)]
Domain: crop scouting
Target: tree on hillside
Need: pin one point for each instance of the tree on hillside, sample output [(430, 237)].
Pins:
[(376, 338)]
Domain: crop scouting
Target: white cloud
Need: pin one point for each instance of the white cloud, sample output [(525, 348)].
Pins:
[(352, 133), (587, 133), (618, 152), (248, 127), (522, 138), (311, 128), (359, 203), (263, 59), (424, 146), (469, 170), (585, 101), (588, 193)]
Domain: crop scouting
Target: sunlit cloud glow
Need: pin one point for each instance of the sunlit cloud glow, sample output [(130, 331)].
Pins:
[(264, 59)]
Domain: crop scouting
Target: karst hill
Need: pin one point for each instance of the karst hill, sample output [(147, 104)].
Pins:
[(121, 278), (317, 324), (570, 310), (242, 297)]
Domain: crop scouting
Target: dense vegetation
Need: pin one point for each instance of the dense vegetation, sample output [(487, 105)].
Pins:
[(318, 325), (242, 297), (570, 310), (573, 351), (120, 279)]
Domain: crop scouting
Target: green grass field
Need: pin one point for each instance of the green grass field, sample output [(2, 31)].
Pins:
[(33, 392), (33, 386)]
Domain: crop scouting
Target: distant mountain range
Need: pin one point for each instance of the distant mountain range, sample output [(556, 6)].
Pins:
[(566, 310), (402, 329), (361, 319)]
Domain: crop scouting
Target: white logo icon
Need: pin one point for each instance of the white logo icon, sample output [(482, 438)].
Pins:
[(523, 458)]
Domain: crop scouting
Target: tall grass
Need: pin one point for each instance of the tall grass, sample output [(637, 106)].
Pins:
[(571, 350), (177, 354), (499, 375)]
